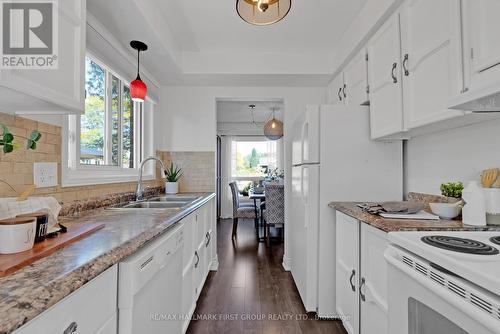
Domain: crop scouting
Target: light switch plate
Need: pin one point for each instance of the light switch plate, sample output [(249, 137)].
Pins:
[(45, 174)]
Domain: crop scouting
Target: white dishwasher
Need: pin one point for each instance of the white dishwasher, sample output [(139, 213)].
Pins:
[(150, 287)]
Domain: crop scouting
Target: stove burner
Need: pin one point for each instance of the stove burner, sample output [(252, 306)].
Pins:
[(460, 245), (495, 240)]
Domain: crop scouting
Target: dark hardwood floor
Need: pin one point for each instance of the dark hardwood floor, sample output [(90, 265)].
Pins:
[(251, 293)]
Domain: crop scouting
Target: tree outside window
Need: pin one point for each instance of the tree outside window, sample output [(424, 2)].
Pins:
[(108, 127)]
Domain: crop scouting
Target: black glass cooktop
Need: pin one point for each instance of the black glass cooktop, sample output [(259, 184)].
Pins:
[(460, 245), (495, 240)]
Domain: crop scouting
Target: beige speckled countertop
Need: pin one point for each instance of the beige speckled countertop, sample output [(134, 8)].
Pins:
[(392, 225), (33, 289)]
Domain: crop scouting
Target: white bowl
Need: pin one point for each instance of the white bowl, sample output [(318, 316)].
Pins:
[(446, 210)]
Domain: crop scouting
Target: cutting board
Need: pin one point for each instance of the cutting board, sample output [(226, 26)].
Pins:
[(10, 263), (421, 215)]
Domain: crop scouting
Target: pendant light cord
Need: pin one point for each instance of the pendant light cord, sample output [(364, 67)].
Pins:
[(138, 64)]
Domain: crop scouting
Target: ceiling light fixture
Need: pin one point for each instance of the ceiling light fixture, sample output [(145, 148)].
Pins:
[(263, 12), (273, 129), (138, 88)]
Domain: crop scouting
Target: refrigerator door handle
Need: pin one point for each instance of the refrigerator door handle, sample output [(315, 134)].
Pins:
[(305, 195), (305, 142)]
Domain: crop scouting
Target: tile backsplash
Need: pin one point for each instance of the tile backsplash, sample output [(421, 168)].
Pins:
[(16, 168), (198, 169)]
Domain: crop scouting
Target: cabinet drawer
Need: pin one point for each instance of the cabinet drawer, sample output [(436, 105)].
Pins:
[(90, 308)]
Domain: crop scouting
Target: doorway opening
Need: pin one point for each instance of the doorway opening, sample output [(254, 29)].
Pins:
[(246, 156)]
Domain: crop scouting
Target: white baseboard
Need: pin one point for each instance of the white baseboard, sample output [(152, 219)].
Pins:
[(287, 263), (214, 264)]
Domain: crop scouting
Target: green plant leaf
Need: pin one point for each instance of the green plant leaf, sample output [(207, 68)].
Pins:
[(35, 135), (31, 145), (8, 148), (172, 173), (8, 137)]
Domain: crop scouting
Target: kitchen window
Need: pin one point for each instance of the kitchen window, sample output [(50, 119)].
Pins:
[(107, 143), (110, 128)]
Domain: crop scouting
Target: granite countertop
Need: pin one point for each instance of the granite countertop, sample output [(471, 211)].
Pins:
[(393, 225), (28, 292)]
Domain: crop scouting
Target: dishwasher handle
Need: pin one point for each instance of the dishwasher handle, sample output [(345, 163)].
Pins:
[(197, 259), (72, 328), (208, 236)]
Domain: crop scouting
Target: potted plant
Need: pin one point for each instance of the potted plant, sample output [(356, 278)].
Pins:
[(172, 175), (452, 189)]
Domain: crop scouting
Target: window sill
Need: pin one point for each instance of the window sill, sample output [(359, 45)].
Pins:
[(86, 176)]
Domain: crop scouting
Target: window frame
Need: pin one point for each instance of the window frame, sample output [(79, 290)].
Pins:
[(74, 173), (255, 139)]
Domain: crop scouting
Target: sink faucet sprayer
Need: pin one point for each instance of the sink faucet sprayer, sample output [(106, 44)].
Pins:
[(139, 191)]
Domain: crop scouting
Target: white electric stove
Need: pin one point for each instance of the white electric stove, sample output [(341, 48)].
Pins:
[(444, 282)]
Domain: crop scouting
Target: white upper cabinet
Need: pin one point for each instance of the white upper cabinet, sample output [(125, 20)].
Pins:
[(355, 87), (414, 68), (52, 91), (481, 43), (350, 86), (335, 91), (432, 62), (384, 75)]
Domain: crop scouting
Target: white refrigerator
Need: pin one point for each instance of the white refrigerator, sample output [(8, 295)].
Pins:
[(333, 159)]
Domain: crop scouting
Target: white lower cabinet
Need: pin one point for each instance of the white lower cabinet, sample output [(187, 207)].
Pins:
[(93, 309), (200, 256), (361, 279), (373, 280), (90, 309), (347, 263)]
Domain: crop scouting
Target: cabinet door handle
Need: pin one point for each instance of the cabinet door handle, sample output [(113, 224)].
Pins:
[(197, 259), (393, 72), (339, 94), (344, 91), (71, 328), (209, 237), (405, 68), (350, 280), (363, 297)]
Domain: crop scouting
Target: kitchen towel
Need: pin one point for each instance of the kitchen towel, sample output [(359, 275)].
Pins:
[(406, 207), (10, 208)]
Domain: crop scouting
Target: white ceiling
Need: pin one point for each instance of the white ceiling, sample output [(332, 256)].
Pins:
[(311, 25), (240, 112), (200, 42)]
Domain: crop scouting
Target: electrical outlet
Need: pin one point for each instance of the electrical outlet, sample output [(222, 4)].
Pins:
[(45, 174)]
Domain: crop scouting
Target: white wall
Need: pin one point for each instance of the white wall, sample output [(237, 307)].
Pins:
[(187, 118), (453, 155)]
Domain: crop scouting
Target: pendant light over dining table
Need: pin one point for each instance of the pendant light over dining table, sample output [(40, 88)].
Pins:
[(273, 129), (263, 12), (138, 88)]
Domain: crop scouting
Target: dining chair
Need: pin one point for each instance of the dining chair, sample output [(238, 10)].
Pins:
[(274, 212), (240, 210)]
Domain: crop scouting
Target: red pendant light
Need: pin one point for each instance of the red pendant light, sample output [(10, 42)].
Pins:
[(138, 88)]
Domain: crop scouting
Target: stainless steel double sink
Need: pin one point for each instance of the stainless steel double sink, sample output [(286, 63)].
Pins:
[(161, 202)]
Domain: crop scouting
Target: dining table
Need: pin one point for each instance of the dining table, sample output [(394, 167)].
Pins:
[(257, 196)]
